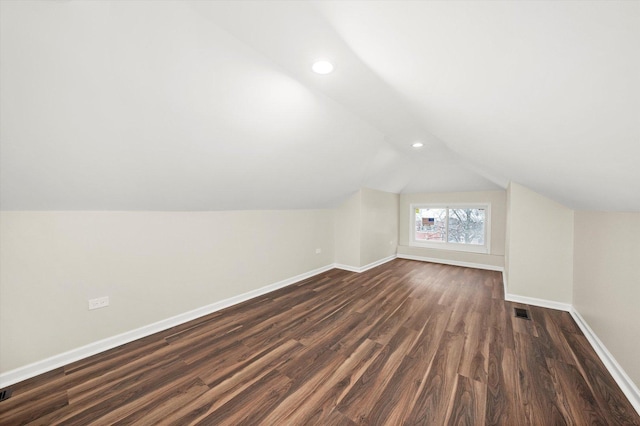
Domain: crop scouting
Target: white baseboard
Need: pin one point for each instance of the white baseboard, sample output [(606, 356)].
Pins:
[(451, 262), (366, 267), (627, 386), (347, 267), (28, 371), (543, 303), (8, 378), (504, 284)]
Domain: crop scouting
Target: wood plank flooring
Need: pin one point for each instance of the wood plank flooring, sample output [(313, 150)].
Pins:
[(404, 343)]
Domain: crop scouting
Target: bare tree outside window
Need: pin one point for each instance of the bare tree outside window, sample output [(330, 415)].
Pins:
[(466, 226), (450, 225)]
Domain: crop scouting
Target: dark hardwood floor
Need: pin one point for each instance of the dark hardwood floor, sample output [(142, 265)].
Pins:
[(404, 343)]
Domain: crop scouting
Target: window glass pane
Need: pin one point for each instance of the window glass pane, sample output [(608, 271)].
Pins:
[(466, 226), (431, 224)]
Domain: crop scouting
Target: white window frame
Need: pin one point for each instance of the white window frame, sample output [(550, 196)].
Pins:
[(446, 245)]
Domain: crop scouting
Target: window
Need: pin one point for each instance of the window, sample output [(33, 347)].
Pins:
[(451, 227)]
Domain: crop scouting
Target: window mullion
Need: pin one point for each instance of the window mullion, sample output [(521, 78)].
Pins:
[(446, 226)]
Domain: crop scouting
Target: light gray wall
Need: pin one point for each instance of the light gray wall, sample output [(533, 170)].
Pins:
[(540, 246), (152, 265), (606, 288), (497, 199)]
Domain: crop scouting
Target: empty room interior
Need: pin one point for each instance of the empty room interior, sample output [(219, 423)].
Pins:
[(319, 212)]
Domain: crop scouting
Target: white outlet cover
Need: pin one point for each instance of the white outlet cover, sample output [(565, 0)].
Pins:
[(100, 302)]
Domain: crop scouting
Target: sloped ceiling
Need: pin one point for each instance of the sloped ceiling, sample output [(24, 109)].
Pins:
[(212, 105)]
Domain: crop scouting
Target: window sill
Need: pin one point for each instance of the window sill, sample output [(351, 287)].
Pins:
[(452, 247)]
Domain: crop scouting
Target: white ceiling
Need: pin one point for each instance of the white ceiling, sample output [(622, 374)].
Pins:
[(148, 105)]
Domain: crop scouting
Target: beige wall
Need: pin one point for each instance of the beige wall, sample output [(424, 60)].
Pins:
[(606, 289), (366, 228), (379, 225), (347, 231), (507, 236), (540, 260), (152, 265), (497, 199)]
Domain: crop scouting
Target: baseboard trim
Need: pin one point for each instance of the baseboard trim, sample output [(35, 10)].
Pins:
[(11, 377), (347, 267), (625, 383), (452, 262), (627, 386), (366, 267), (504, 284), (28, 371), (543, 303)]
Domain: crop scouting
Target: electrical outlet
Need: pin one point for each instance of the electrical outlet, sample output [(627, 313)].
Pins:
[(100, 302), (318, 250)]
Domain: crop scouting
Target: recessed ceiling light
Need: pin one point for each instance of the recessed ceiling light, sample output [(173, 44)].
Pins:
[(417, 144), (322, 67)]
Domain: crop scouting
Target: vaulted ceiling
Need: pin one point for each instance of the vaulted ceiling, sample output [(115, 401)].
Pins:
[(196, 105)]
